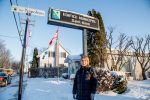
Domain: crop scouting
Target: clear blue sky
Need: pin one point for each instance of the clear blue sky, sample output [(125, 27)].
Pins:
[(127, 16)]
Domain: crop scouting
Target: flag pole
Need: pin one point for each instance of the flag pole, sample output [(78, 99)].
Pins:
[(56, 51), (57, 54)]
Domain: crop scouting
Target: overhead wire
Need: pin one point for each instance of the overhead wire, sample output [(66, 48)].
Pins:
[(17, 25), (20, 21), (8, 36), (19, 16)]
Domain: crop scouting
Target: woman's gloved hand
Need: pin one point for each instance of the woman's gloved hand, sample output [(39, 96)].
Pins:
[(74, 96)]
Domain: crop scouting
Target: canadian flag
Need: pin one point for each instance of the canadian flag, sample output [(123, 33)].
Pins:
[(50, 43), (56, 36)]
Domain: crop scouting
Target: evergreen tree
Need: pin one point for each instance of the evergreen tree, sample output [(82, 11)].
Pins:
[(35, 59), (96, 42)]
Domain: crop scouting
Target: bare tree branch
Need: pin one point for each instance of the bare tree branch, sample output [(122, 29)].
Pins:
[(142, 52)]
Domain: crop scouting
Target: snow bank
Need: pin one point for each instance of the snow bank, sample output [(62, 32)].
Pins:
[(58, 89)]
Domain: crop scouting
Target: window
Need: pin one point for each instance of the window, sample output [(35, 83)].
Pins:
[(51, 54), (50, 65), (61, 65), (63, 54), (44, 64)]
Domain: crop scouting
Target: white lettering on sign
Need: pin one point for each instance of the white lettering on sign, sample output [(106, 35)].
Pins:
[(76, 21), (86, 19), (85, 23), (66, 15), (74, 16)]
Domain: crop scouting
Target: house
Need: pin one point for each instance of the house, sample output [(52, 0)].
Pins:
[(129, 64), (73, 64), (53, 56)]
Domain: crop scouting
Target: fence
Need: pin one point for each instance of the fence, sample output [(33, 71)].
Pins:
[(47, 72)]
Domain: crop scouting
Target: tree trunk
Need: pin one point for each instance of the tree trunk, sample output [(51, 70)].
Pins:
[(138, 73), (144, 75)]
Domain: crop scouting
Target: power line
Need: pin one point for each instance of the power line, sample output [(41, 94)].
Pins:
[(19, 16), (17, 25), (9, 36)]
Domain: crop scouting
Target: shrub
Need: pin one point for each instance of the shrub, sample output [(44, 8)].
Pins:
[(111, 80)]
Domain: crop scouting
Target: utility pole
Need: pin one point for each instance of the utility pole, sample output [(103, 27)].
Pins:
[(48, 56), (28, 12), (23, 57), (22, 62)]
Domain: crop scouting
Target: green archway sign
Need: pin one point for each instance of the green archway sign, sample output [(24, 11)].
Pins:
[(73, 20)]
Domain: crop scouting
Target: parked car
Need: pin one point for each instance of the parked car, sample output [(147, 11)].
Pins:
[(65, 75), (8, 71), (4, 79)]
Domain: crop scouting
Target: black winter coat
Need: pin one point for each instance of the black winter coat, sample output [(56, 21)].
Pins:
[(85, 83)]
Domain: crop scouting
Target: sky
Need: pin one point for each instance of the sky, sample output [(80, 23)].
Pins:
[(131, 17)]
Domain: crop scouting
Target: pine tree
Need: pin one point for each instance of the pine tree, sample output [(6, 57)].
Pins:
[(96, 42), (35, 59)]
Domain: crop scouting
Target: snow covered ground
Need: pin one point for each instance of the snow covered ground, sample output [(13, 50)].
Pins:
[(10, 92), (54, 89)]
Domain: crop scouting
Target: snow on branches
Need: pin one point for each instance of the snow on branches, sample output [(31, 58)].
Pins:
[(111, 80)]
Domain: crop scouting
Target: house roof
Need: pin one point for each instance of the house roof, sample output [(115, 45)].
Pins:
[(51, 46), (72, 58), (63, 48)]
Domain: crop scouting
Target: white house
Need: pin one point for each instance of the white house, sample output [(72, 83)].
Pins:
[(53, 56)]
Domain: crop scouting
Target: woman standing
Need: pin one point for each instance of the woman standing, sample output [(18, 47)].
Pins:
[(85, 82)]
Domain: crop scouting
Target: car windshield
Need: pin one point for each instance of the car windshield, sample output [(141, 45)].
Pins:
[(2, 74)]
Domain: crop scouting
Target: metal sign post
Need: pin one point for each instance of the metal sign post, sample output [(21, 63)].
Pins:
[(84, 41)]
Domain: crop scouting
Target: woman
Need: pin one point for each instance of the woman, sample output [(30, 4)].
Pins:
[(85, 82)]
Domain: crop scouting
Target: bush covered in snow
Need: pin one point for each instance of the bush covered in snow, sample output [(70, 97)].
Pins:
[(104, 79), (111, 80), (120, 82), (72, 76)]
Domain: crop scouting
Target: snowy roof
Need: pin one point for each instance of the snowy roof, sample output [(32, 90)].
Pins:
[(72, 58)]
